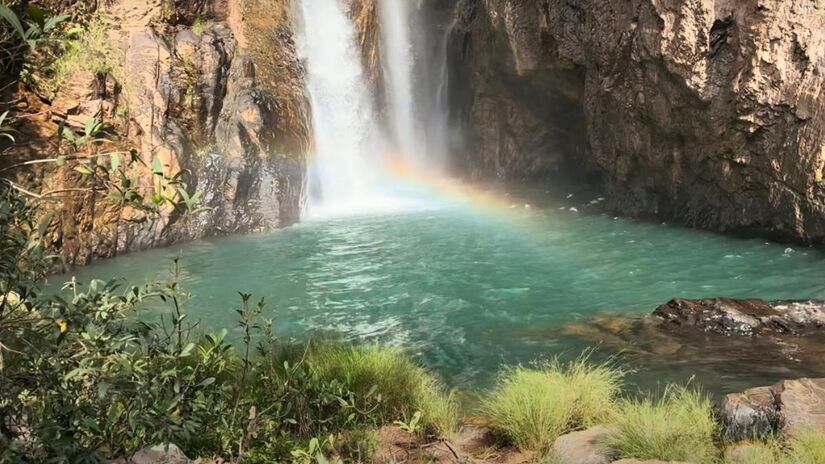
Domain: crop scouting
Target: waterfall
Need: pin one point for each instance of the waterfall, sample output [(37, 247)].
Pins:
[(342, 175), (351, 168), (415, 77), (396, 52)]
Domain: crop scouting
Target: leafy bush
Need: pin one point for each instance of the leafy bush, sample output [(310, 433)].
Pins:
[(677, 427), (533, 407), (84, 379)]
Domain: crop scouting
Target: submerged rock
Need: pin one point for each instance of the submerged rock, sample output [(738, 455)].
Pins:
[(785, 408), (745, 317)]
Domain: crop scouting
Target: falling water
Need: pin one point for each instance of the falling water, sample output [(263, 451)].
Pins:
[(343, 176), (349, 171), (398, 67)]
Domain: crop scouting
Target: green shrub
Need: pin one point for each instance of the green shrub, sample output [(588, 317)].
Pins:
[(394, 386), (533, 407), (677, 427)]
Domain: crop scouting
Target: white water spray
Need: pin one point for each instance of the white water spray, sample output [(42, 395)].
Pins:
[(342, 174), (347, 175)]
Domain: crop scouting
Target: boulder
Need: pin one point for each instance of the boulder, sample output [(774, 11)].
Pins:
[(161, 454), (750, 414), (801, 404), (583, 447), (784, 409), (745, 317)]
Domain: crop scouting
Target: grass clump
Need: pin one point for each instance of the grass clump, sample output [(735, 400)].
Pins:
[(677, 427), (807, 447), (533, 407), (754, 452), (85, 49), (395, 386)]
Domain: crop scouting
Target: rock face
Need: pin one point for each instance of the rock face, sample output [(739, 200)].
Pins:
[(786, 408), (745, 317), (706, 112), (221, 101)]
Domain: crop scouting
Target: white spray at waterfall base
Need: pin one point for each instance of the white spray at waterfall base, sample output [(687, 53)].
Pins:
[(355, 164)]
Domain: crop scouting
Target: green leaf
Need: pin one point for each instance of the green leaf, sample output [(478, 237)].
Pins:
[(44, 224), (61, 160), (157, 166), (53, 22), (187, 350), (207, 382), (115, 159), (37, 15), (90, 126), (12, 19), (83, 170)]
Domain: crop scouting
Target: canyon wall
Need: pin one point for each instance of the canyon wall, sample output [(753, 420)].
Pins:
[(711, 113), (212, 89)]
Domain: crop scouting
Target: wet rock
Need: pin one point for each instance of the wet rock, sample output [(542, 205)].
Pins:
[(583, 447), (785, 408), (744, 317)]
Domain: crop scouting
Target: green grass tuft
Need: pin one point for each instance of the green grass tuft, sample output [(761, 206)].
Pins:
[(677, 427), (87, 50), (807, 447), (404, 387), (533, 407), (754, 452)]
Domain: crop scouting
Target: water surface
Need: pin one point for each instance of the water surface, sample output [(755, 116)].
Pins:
[(468, 289)]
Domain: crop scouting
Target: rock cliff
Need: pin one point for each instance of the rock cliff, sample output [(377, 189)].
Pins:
[(213, 89), (711, 113)]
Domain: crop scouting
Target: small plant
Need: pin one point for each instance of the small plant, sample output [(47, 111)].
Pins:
[(533, 407), (200, 25), (413, 426), (85, 48), (677, 427), (314, 452), (37, 27), (5, 130)]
